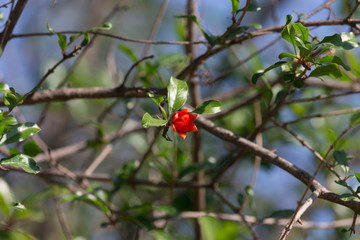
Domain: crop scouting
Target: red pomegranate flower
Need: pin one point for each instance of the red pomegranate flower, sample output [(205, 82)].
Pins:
[(182, 122)]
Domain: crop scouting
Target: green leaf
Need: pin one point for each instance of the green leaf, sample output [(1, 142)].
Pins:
[(334, 59), (355, 119), (177, 93), (48, 26), (10, 100), (347, 197), (210, 38), (241, 29), (21, 161), (129, 52), (8, 120), (289, 77), (253, 7), (105, 26), (208, 107), (342, 159), (85, 41), (235, 5), (149, 121), (158, 101), (298, 83), (4, 88), (73, 37), (31, 148), (288, 32), (168, 210), (6, 197), (303, 35), (256, 76), (250, 193), (240, 199), (209, 227), (357, 175), (331, 70), (19, 133), (286, 54), (160, 235), (345, 40), (62, 41)]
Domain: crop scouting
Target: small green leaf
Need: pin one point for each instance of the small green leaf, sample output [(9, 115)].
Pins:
[(4, 88), (286, 54), (209, 227), (355, 119), (19, 133), (333, 138), (235, 5), (160, 235), (21, 161), (208, 107), (48, 26), (129, 52), (210, 38), (357, 175), (105, 26), (177, 93), (240, 199), (73, 37), (334, 59), (168, 210), (10, 100), (256, 76), (149, 121), (6, 197), (331, 70), (342, 159), (345, 40), (62, 42), (85, 41), (31, 148), (241, 29), (298, 83), (347, 197), (158, 101), (250, 193), (253, 7), (8, 120), (289, 77)]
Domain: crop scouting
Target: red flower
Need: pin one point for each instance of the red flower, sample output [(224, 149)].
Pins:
[(182, 122)]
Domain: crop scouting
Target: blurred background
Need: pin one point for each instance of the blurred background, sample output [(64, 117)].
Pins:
[(104, 64)]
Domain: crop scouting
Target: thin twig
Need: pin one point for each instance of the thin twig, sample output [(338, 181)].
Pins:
[(299, 213), (62, 220), (132, 67)]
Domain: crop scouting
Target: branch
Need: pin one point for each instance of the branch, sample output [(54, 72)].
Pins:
[(272, 158), (276, 29), (299, 213), (66, 94), (270, 221), (127, 39), (10, 24)]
